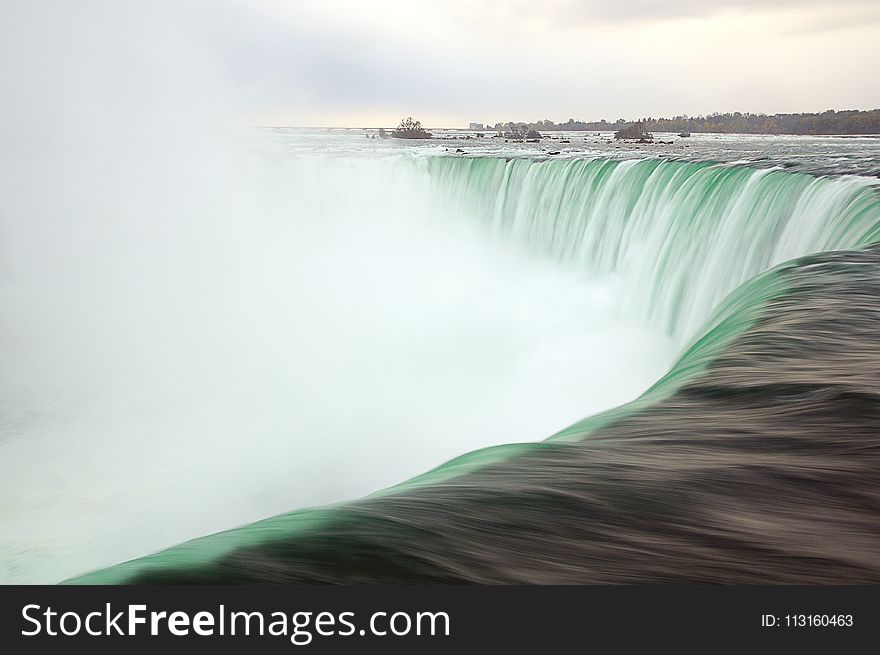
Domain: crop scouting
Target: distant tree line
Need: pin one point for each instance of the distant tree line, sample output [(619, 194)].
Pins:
[(850, 121)]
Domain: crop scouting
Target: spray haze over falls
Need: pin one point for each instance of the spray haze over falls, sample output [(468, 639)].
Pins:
[(338, 324)]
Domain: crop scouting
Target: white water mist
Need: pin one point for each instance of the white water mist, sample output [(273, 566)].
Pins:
[(197, 331)]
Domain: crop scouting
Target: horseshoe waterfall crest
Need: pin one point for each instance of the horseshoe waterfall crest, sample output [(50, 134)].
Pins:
[(685, 234), (713, 255)]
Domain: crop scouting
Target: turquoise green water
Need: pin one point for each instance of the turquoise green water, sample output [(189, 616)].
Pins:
[(696, 243), (683, 235)]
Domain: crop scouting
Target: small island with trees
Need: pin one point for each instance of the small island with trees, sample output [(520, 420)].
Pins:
[(410, 129), (517, 132), (634, 131)]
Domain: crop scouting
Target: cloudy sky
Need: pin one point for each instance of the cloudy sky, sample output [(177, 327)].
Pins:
[(447, 62)]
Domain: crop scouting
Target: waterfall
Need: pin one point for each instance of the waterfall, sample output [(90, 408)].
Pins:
[(683, 234)]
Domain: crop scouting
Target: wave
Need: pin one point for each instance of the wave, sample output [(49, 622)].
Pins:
[(753, 460)]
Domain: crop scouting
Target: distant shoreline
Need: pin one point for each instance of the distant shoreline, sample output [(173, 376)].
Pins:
[(850, 122), (491, 131)]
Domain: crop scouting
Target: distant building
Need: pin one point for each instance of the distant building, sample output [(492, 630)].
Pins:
[(476, 126)]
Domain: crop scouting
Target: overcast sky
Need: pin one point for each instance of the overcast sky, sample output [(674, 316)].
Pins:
[(448, 62)]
